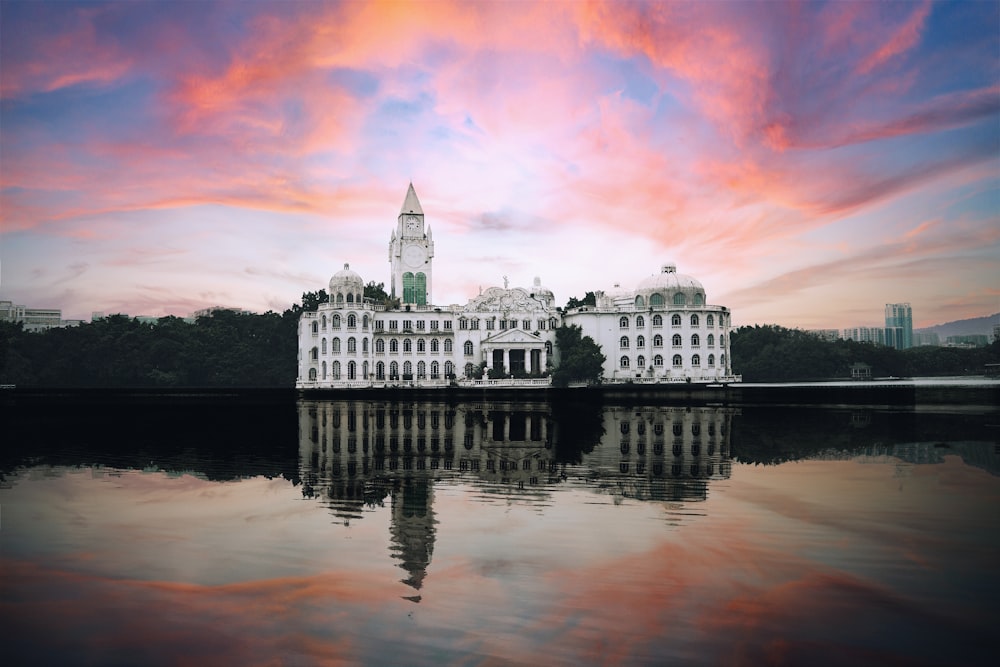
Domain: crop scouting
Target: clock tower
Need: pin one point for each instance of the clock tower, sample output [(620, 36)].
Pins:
[(410, 252)]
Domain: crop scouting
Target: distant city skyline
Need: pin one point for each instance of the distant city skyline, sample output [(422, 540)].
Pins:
[(808, 162)]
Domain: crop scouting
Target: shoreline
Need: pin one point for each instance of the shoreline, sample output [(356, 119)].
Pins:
[(966, 391)]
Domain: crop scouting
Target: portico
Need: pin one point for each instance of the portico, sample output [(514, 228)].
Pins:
[(515, 351)]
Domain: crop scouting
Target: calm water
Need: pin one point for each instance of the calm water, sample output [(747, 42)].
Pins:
[(400, 533)]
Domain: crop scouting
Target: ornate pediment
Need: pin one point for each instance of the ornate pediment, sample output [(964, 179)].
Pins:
[(512, 336), (499, 299)]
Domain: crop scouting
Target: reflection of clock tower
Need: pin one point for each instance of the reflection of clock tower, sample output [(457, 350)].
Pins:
[(410, 252)]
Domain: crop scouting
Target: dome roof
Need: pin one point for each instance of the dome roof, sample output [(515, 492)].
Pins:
[(539, 291), (668, 283), (346, 280)]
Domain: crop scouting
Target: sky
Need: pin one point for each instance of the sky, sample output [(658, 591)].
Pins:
[(807, 162)]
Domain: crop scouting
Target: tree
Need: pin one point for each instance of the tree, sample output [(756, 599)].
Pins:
[(376, 292), (580, 357), (589, 299)]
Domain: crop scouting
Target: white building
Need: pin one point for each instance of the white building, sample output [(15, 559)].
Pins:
[(663, 331)]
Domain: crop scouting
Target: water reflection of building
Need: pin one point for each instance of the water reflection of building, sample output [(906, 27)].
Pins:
[(663, 453), (355, 454)]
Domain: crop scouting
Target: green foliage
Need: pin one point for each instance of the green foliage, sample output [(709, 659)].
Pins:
[(580, 358), (771, 353), (376, 292), (589, 299), (496, 373), (225, 349)]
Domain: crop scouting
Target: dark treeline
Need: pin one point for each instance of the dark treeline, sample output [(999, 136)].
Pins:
[(774, 354), (229, 349), (226, 349)]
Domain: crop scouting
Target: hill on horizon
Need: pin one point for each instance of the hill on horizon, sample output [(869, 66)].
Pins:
[(982, 326)]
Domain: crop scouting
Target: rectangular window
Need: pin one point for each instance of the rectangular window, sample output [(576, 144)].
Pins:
[(475, 324), (503, 325), (407, 324), (434, 325), (379, 325), (541, 325), (420, 325), (447, 325), (463, 324), (393, 325), (489, 324), (526, 325)]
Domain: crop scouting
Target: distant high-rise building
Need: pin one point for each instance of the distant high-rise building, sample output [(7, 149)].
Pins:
[(899, 325)]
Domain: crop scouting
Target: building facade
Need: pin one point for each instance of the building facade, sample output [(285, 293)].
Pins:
[(899, 325), (663, 331)]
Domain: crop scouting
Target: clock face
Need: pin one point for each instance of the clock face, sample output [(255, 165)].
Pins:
[(414, 255), (412, 222)]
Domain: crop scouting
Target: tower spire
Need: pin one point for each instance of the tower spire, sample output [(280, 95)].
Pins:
[(411, 204)]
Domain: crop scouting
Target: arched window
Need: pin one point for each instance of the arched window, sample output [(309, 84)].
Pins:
[(352, 345), (640, 341), (676, 340), (350, 298), (695, 360), (709, 321), (420, 289), (394, 370), (680, 299), (364, 345), (312, 374), (711, 340), (421, 345), (315, 327), (694, 320), (656, 299), (675, 320), (352, 321), (657, 320), (435, 370), (407, 368), (657, 340), (468, 348), (421, 370), (380, 346), (364, 370), (340, 298), (623, 362), (447, 345), (322, 348), (393, 345), (380, 370), (722, 360), (352, 368), (548, 347), (434, 344), (336, 370), (324, 322), (623, 342), (336, 321), (722, 340), (640, 361), (658, 360), (640, 321), (695, 341), (639, 301), (407, 345), (711, 361), (469, 370), (364, 323), (408, 288), (449, 368), (699, 299), (623, 323), (324, 371), (677, 360), (335, 344)]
